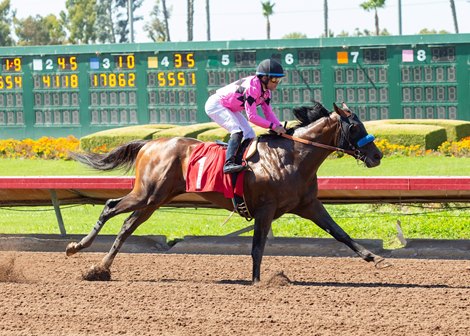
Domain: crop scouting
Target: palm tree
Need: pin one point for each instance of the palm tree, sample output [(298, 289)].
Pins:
[(374, 4), (267, 12), (454, 16), (208, 18)]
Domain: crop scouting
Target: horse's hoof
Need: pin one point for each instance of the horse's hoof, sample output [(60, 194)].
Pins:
[(71, 249), (97, 273), (381, 263)]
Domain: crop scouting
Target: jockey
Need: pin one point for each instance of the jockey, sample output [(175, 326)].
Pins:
[(225, 107)]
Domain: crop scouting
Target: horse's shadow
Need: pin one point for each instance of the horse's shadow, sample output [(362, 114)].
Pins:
[(330, 284), (347, 284)]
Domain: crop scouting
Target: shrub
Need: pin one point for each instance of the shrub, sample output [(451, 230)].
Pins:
[(102, 141), (427, 136), (214, 134), (455, 129), (50, 148), (190, 131)]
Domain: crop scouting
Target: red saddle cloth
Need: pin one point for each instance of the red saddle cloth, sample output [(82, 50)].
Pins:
[(205, 171)]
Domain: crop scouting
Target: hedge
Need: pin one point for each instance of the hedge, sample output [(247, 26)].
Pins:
[(427, 136), (455, 129), (114, 137), (428, 133), (190, 131)]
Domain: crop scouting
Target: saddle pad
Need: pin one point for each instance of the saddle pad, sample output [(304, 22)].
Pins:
[(205, 171)]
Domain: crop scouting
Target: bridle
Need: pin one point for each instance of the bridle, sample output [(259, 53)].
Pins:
[(318, 144), (354, 152)]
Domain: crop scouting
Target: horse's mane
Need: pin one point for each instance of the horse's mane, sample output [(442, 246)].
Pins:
[(305, 115), (308, 114)]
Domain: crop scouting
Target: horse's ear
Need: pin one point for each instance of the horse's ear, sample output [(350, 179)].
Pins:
[(342, 112), (336, 108)]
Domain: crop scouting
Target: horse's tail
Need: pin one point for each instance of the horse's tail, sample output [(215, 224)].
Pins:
[(123, 156)]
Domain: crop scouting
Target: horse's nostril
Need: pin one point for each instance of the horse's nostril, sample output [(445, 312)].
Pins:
[(378, 156)]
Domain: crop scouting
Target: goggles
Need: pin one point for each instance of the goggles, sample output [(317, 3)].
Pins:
[(276, 80)]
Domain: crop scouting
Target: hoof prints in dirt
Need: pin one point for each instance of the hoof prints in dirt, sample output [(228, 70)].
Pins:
[(8, 272), (97, 273), (278, 279)]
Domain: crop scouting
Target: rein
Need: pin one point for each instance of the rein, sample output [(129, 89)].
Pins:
[(317, 144)]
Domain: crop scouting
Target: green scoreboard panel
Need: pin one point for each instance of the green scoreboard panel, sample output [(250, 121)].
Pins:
[(77, 90), (172, 87)]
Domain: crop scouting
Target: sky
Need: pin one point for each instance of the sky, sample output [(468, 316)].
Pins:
[(243, 19)]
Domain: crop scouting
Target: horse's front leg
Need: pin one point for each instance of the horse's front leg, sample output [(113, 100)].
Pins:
[(316, 212), (262, 227)]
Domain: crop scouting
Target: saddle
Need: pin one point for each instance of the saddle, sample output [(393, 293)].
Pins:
[(204, 173), (247, 149)]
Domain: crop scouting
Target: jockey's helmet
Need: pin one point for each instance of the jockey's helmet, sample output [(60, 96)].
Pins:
[(270, 67)]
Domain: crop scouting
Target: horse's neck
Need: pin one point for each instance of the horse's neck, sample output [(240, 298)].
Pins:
[(324, 131)]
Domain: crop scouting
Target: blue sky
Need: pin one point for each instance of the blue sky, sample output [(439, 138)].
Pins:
[(242, 19)]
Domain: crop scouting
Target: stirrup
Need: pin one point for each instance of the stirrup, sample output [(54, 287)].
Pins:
[(231, 167)]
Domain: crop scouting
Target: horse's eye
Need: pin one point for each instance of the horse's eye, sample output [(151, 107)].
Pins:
[(353, 129)]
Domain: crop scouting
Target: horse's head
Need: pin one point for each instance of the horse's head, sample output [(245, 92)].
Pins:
[(354, 137)]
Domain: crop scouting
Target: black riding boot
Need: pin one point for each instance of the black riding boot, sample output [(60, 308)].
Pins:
[(230, 166)]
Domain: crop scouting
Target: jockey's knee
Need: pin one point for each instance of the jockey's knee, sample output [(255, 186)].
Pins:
[(249, 134)]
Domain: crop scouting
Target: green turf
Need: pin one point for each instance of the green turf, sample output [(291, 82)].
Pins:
[(359, 220), (346, 166)]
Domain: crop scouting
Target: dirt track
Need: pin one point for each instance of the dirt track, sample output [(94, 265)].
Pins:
[(159, 294)]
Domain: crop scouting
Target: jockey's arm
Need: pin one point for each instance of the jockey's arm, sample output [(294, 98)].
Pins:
[(271, 120), (253, 116), (269, 114)]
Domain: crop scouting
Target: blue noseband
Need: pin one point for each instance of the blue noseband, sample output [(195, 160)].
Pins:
[(365, 140)]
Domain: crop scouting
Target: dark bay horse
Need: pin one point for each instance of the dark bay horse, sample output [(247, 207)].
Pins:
[(282, 178)]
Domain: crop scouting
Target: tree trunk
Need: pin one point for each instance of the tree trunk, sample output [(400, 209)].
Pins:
[(268, 28), (208, 18), (454, 16), (377, 29), (165, 17), (325, 16), (190, 19), (110, 13), (130, 19)]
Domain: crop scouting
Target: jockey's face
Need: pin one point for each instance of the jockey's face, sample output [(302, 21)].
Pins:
[(271, 83)]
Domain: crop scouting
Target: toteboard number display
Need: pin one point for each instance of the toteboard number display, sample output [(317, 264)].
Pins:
[(92, 91)]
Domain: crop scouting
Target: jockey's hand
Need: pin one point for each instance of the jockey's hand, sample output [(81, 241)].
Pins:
[(279, 129)]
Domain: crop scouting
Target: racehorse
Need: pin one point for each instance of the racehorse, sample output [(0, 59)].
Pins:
[(281, 178)]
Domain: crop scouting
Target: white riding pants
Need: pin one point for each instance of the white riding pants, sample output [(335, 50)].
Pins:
[(233, 122)]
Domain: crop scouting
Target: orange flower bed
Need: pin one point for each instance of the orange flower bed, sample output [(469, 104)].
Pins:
[(43, 148), (57, 149)]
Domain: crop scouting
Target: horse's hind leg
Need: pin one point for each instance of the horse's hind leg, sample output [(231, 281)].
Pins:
[(73, 247), (112, 208), (102, 271)]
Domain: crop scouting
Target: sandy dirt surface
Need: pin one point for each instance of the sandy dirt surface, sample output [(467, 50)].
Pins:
[(164, 294)]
